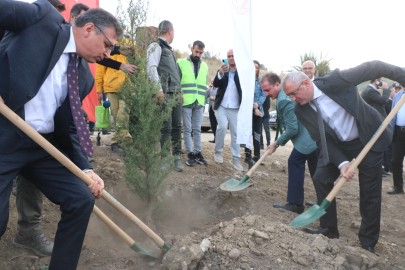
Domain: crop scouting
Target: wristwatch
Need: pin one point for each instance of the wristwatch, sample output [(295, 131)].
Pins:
[(87, 170), (276, 144)]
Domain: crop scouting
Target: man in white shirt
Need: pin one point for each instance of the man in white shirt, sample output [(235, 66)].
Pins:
[(341, 124), (44, 83), (226, 108)]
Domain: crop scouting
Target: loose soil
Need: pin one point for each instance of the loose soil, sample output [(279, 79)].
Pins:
[(239, 230)]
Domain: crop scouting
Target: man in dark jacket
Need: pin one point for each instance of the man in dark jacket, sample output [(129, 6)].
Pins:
[(341, 124), (374, 98)]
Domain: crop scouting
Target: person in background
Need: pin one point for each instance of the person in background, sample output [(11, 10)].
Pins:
[(259, 98), (163, 69), (266, 124), (193, 79), (387, 166), (397, 87), (398, 146), (308, 67), (212, 91), (227, 103)]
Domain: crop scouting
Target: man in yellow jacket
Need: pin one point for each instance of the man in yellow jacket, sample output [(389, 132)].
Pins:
[(109, 80)]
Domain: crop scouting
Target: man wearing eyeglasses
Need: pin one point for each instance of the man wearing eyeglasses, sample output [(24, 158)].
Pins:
[(308, 67), (44, 84), (341, 123)]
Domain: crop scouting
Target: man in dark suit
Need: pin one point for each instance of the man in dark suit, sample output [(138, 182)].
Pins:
[(226, 108), (341, 124), (374, 98), (44, 74)]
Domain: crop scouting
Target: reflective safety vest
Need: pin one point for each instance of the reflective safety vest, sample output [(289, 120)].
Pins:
[(193, 89)]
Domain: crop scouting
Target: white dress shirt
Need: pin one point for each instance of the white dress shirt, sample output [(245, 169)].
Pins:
[(336, 117), (40, 111), (154, 54), (231, 96)]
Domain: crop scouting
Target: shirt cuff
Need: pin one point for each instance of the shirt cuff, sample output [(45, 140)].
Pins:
[(219, 76), (343, 163)]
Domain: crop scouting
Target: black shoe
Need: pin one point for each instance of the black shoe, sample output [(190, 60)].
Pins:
[(395, 191), (262, 147), (384, 172), (256, 159), (251, 163), (190, 159), (105, 132), (213, 141), (91, 131), (324, 231), (116, 149), (296, 208), (310, 203), (200, 159), (371, 249)]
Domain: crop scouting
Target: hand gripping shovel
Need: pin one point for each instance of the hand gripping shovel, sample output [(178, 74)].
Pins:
[(235, 185), (30, 132), (315, 212)]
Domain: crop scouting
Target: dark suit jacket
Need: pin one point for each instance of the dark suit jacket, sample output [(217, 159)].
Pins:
[(388, 106), (341, 86), (37, 35), (373, 98), (222, 84)]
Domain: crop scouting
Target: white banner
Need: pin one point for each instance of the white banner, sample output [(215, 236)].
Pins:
[(242, 49)]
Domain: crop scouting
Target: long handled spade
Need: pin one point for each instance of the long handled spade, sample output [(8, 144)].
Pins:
[(30, 132), (315, 212), (235, 185)]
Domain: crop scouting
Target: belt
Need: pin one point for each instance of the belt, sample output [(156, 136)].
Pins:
[(400, 128)]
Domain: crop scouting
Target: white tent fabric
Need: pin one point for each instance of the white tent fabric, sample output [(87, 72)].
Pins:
[(242, 49)]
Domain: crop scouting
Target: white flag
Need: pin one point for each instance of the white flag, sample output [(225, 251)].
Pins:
[(242, 49)]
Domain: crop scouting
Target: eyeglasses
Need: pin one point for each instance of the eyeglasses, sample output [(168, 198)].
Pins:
[(308, 68), (112, 45), (294, 93)]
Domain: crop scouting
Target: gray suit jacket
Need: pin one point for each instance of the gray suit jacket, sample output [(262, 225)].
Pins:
[(35, 39), (373, 98), (341, 86)]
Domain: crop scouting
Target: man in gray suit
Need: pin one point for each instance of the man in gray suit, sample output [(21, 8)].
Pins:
[(341, 124), (44, 76)]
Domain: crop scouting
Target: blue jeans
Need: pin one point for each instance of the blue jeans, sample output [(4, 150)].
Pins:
[(296, 174), (60, 186)]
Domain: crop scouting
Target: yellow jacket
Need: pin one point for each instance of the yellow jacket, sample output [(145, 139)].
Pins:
[(109, 79)]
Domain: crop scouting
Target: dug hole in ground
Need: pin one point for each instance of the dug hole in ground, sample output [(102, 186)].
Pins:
[(209, 229)]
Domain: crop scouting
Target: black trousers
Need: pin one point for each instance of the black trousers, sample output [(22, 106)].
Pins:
[(171, 129), (256, 130), (398, 153), (60, 186), (387, 159), (213, 121), (370, 182)]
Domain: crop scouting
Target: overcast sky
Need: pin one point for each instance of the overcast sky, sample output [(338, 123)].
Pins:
[(349, 31)]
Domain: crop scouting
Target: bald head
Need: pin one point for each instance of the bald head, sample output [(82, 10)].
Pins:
[(231, 60), (309, 69)]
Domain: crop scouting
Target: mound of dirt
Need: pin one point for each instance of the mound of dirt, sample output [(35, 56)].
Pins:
[(251, 241)]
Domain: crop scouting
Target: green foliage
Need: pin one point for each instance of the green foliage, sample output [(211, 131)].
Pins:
[(145, 170), (321, 63)]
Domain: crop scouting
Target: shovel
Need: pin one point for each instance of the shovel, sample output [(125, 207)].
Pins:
[(315, 212), (235, 185), (35, 136)]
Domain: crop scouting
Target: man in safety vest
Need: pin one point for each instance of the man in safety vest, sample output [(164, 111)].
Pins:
[(193, 74)]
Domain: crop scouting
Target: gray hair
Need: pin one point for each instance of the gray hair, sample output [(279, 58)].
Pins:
[(313, 64), (100, 18), (164, 27), (295, 77)]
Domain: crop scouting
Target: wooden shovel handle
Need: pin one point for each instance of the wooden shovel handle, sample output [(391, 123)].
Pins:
[(253, 169), (366, 148), (30, 132)]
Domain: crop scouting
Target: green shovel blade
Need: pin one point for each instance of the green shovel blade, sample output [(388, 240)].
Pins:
[(146, 252), (309, 216), (235, 185)]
